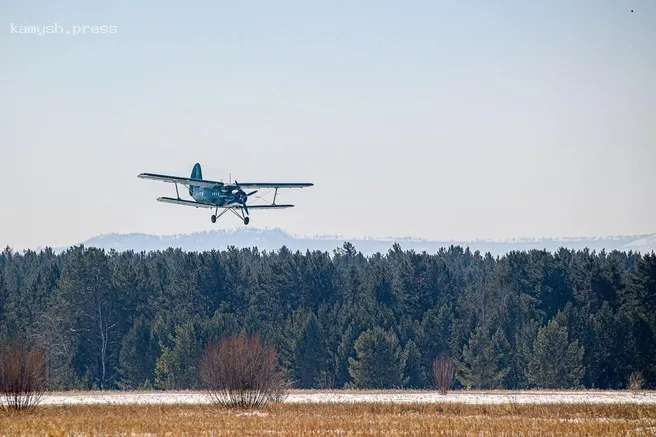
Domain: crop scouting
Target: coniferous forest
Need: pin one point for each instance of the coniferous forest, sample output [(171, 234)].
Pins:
[(533, 319)]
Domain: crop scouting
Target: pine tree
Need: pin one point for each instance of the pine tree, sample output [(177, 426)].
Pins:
[(557, 362), (85, 303), (137, 358), (308, 353), (415, 374), (602, 363), (435, 334), (177, 366), (379, 362), (482, 364)]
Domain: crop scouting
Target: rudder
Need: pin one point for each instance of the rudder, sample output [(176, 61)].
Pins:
[(196, 173)]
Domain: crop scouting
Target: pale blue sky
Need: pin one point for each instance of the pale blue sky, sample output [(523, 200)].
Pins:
[(459, 119)]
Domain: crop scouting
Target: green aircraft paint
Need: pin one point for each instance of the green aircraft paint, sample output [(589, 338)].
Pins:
[(219, 195)]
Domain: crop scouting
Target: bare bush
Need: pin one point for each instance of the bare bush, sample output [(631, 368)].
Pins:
[(22, 381), (242, 372), (635, 381), (443, 373)]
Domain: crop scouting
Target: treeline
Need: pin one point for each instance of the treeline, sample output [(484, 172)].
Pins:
[(532, 319)]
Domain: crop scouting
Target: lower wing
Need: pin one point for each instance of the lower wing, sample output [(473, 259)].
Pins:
[(212, 206)]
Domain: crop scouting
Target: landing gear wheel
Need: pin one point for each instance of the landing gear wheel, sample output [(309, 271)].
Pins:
[(213, 218), (246, 220)]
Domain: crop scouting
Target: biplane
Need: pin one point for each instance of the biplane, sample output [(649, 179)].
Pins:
[(219, 195)]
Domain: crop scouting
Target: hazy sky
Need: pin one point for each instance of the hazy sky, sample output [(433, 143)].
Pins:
[(457, 119)]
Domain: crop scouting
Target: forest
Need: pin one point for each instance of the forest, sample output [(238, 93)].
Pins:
[(530, 319)]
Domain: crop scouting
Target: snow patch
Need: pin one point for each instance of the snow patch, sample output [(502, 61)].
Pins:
[(481, 398)]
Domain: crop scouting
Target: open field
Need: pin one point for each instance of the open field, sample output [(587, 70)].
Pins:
[(362, 419), (393, 396)]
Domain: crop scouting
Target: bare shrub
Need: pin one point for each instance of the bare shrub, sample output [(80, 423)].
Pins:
[(242, 372), (443, 373), (22, 380), (635, 381)]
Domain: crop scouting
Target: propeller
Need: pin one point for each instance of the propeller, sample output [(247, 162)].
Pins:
[(241, 196)]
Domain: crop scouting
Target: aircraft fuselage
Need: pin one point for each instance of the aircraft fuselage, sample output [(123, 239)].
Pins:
[(217, 196)]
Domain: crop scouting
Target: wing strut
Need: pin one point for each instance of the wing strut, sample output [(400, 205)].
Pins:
[(274, 197), (176, 190)]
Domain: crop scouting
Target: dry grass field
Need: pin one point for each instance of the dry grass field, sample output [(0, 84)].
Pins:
[(361, 419)]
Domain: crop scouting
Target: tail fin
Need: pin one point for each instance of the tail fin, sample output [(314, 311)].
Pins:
[(196, 173)]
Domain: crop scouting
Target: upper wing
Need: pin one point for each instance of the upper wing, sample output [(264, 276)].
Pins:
[(181, 180), (275, 185), (210, 184), (211, 206)]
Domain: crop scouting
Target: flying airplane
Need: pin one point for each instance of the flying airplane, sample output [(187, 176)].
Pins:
[(218, 195)]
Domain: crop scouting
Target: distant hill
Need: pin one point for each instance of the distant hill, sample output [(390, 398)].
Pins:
[(274, 239)]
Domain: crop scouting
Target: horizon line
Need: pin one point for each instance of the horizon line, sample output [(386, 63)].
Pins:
[(316, 237)]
